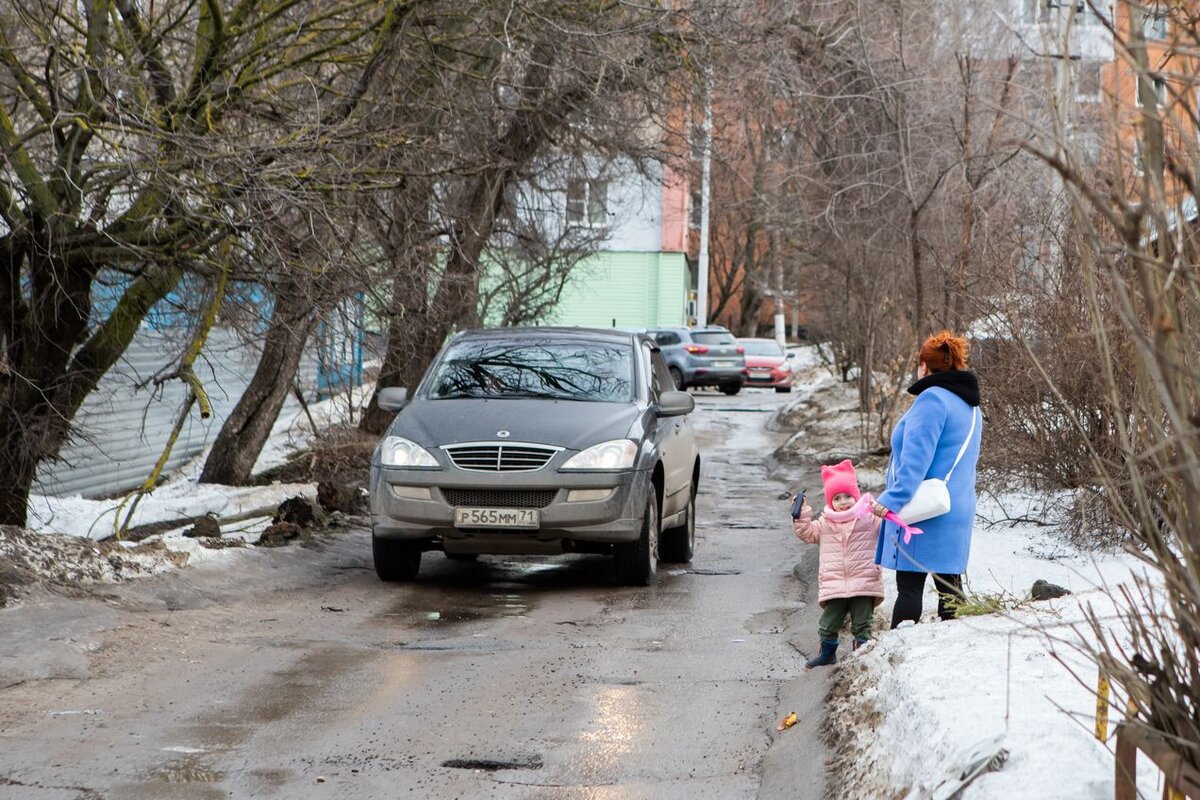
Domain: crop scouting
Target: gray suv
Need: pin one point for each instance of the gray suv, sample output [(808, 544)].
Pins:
[(707, 356), (538, 441)]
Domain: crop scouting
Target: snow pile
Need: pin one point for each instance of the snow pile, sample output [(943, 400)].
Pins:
[(27, 557), (823, 412), (176, 500), (903, 710)]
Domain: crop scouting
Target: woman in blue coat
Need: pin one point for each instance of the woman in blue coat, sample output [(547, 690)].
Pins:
[(925, 444)]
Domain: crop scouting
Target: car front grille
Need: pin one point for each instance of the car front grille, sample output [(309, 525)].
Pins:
[(500, 457), (499, 498)]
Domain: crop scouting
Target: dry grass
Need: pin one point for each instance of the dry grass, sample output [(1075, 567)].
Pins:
[(340, 456)]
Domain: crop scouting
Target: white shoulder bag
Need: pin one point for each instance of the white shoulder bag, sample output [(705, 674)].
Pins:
[(932, 497)]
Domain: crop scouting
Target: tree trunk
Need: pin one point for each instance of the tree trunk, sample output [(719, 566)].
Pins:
[(49, 378), (405, 337), (749, 309), (966, 240), (751, 299), (918, 314), (245, 432)]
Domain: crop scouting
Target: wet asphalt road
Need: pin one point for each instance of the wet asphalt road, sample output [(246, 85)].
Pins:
[(294, 673)]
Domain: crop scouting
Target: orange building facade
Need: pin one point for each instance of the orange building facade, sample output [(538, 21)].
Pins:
[(1168, 89)]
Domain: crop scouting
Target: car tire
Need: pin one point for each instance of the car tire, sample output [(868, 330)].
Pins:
[(637, 561), (731, 388), (678, 544), (783, 390), (396, 560), (677, 376)]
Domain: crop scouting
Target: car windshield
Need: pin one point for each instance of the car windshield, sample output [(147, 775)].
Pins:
[(762, 348), (713, 337), (588, 371)]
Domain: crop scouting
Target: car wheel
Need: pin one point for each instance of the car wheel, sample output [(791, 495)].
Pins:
[(678, 544), (783, 389), (731, 388), (396, 559), (677, 376), (637, 561)]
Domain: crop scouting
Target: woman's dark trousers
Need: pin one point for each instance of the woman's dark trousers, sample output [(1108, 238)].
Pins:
[(911, 585)]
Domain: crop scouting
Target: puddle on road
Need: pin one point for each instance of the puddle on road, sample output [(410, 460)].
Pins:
[(215, 736), (772, 621), (490, 606)]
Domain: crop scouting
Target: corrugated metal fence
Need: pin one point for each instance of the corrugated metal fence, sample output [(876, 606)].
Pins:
[(123, 426)]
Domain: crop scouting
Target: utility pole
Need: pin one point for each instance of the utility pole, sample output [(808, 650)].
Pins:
[(705, 190)]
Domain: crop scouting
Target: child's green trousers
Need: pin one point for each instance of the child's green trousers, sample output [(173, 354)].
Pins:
[(861, 611)]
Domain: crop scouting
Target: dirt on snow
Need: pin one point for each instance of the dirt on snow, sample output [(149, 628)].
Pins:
[(70, 563)]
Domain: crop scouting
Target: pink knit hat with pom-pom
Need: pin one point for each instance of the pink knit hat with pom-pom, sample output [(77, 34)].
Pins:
[(838, 479)]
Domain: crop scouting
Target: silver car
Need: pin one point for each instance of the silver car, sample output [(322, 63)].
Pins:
[(707, 356), (538, 441)]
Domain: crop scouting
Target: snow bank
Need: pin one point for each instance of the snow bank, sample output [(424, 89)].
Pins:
[(823, 412), (906, 707)]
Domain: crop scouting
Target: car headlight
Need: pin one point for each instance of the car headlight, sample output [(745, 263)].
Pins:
[(397, 451), (617, 454)]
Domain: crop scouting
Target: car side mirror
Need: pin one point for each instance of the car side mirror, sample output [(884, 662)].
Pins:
[(675, 404), (791, 355), (393, 398)]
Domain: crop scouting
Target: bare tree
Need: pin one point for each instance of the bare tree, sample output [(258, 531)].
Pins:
[(574, 84), (130, 141), (1137, 248)]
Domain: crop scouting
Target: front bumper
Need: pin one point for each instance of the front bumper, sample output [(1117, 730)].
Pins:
[(617, 518), (772, 378)]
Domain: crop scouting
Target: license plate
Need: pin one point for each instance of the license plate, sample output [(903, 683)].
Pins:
[(496, 518), (722, 364), (761, 370)]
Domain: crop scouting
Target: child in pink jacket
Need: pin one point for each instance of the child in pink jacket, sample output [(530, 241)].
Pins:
[(849, 580)]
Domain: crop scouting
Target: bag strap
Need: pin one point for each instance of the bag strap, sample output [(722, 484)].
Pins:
[(962, 450)]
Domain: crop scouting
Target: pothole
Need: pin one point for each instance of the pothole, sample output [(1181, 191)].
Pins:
[(495, 764)]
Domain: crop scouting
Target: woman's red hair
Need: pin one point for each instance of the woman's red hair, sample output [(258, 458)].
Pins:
[(944, 351)]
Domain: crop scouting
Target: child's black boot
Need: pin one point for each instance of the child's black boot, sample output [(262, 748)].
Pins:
[(827, 656), (859, 642)]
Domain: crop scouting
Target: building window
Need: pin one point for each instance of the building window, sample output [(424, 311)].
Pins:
[(1036, 10), (587, 202), (1160, 92), (1154, 22), (1089, 81), (695, 207), (697, 143)]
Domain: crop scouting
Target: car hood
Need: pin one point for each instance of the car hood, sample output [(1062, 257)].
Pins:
[(764, 361), (561, 423)]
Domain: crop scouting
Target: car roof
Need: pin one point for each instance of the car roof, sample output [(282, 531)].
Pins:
[(686, 329), (609, 334)]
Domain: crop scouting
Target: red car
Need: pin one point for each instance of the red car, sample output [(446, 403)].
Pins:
[(767, 365)]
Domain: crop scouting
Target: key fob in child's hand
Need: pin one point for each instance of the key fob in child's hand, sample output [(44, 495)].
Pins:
[(797, 504)]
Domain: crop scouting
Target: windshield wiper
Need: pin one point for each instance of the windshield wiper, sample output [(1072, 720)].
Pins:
[(461, 396), (539, 395)]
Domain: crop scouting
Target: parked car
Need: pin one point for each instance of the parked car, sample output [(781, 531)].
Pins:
[(538, 441), (767, 365), (707, 356)]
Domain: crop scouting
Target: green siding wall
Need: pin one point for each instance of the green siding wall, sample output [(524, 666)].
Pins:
[(626, 289)]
